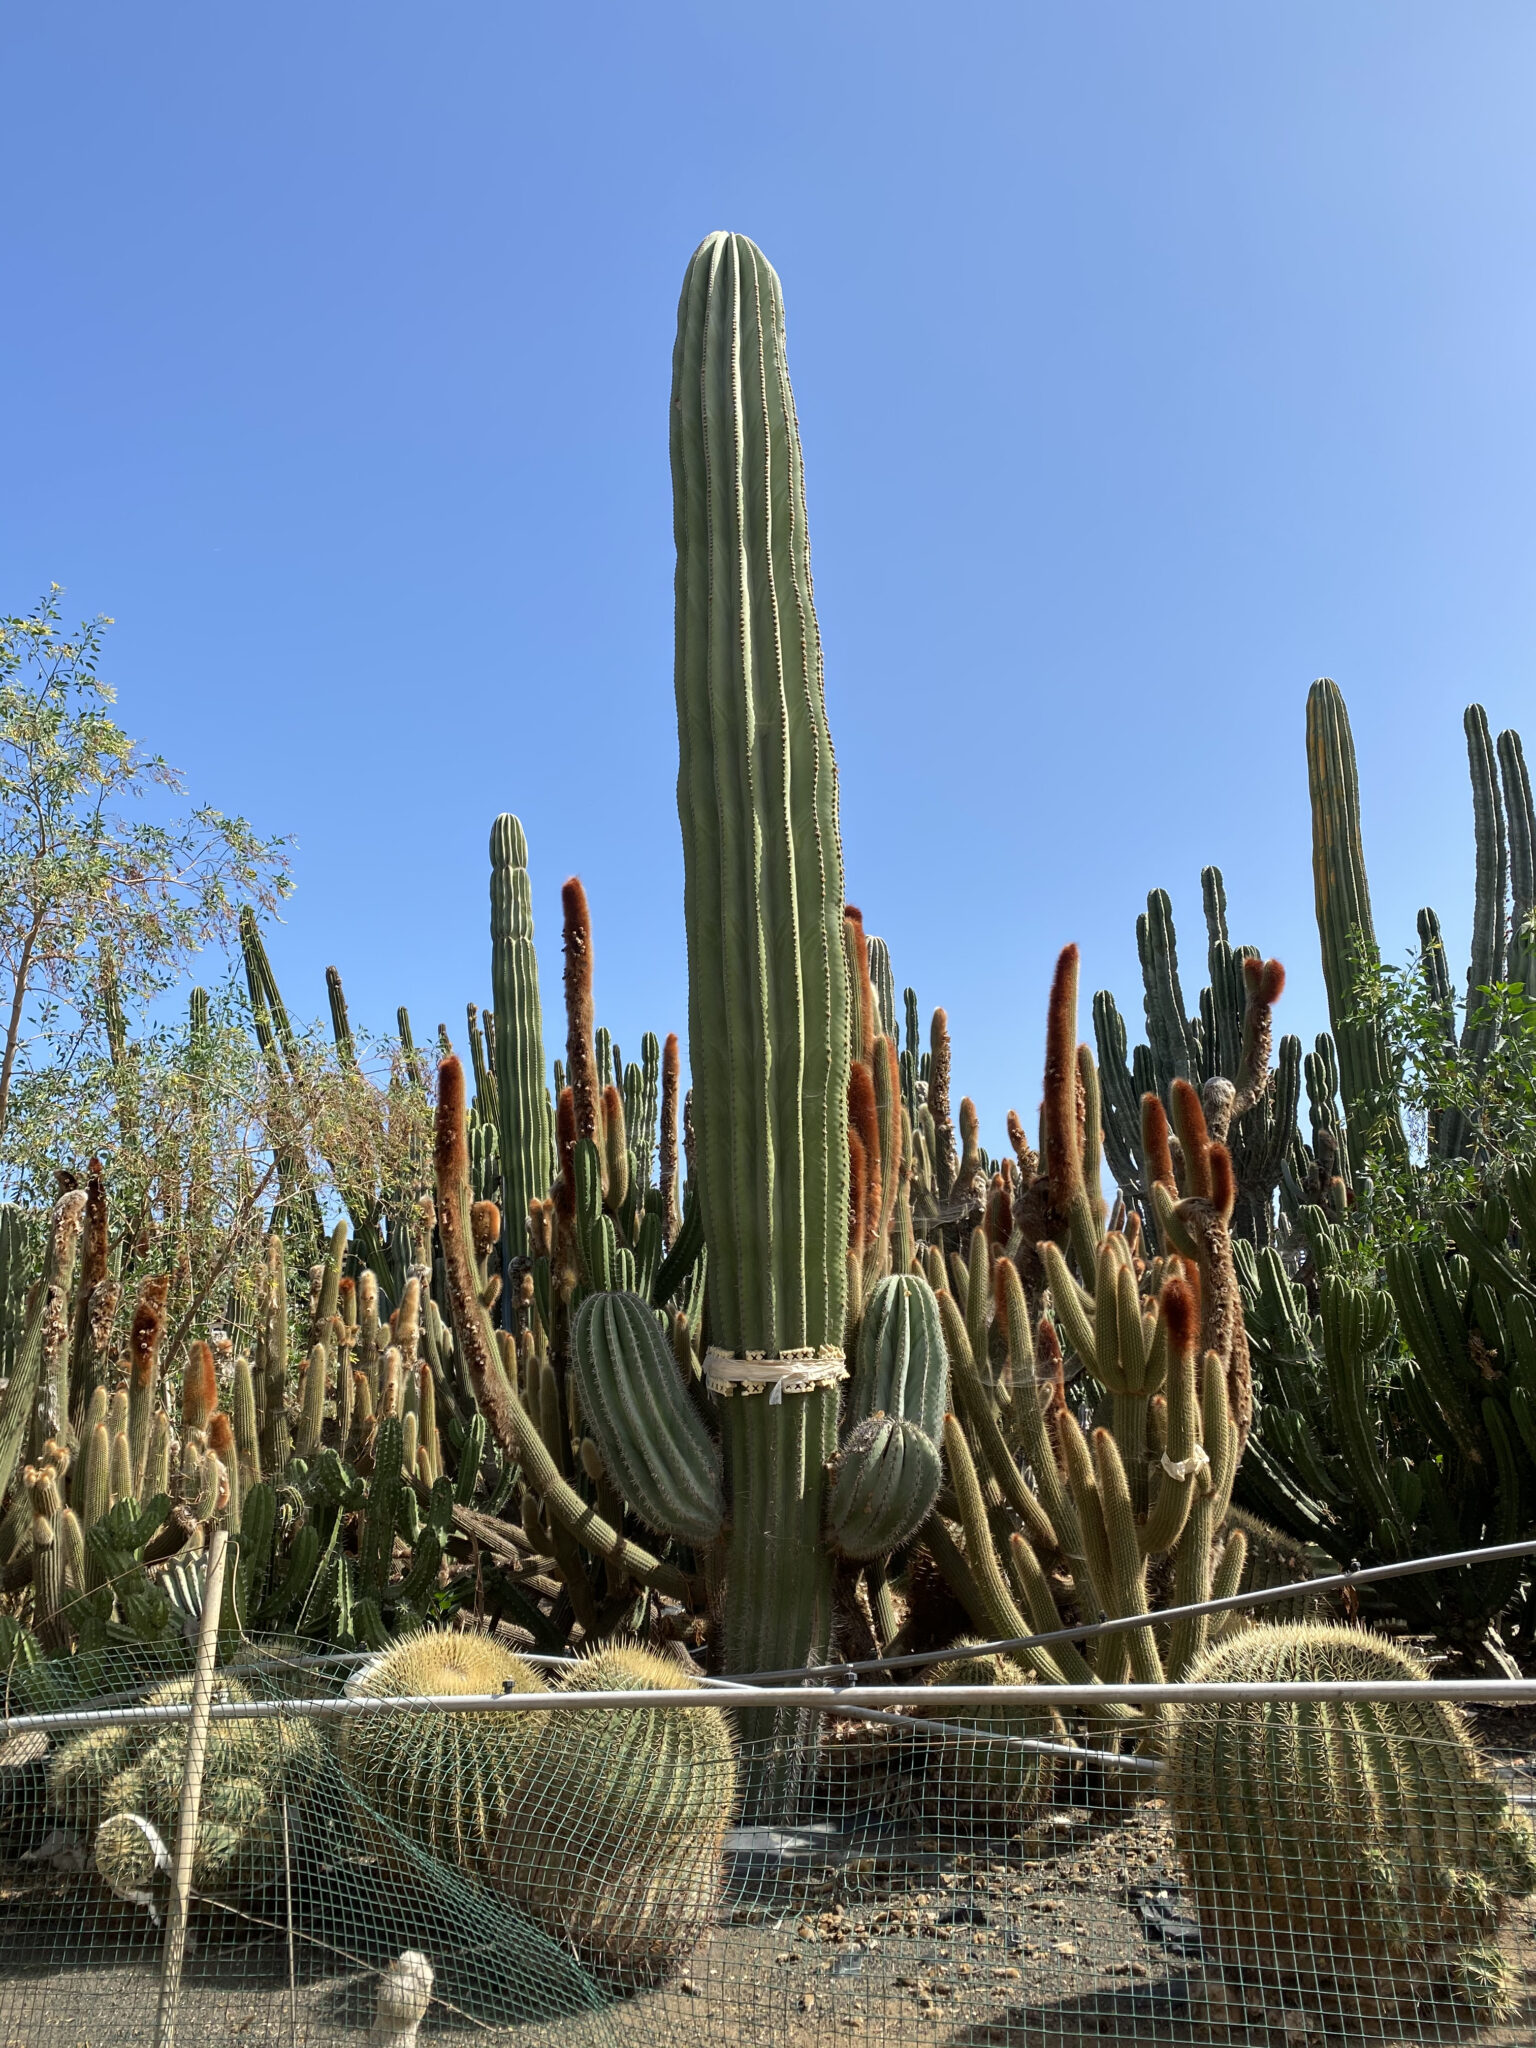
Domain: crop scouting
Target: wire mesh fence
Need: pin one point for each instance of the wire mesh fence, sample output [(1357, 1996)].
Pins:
[(1271, 1865)]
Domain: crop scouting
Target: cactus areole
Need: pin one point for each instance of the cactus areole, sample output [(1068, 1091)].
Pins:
[(768, 1020)]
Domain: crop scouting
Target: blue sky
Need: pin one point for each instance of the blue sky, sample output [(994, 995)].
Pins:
[(1151, 360)]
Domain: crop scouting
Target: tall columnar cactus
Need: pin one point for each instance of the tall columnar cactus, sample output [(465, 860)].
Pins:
[(1344, 924), (522, 1103), (1353, 1855), (768, 1007)]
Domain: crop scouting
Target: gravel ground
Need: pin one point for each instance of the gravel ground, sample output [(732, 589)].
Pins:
[(1072, 1934)]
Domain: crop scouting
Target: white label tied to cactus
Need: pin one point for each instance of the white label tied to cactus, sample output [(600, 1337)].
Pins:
[(793, 1372)]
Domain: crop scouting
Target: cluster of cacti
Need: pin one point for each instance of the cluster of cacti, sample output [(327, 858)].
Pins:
[(1345, 1858), (789, 1368), (1224, 1050), (119, 1789), (1056, 1320), (1398, 1417)]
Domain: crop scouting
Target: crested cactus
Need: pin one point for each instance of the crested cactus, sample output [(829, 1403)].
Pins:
[(1352, 1854), (613, 1837)]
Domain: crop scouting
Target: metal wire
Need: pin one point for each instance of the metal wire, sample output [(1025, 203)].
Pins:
[(1125, 1624)]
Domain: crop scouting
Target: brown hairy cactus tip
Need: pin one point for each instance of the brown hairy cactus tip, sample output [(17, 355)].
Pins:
[(200, 1387), (1155, 1148), (1060, 1110), (1023, 1151), (485, 1227), (666, 1155), (450, 1144), (565, 1139), (999, 1221), (1264, 981), (1194, 1138), (1180, 1312), (854, 921), (857, 1190), (221, 1436), (1000, 1271), (946, 1159), (147, 1328), (580, 1051), (1223, 1182), (864, 1122)]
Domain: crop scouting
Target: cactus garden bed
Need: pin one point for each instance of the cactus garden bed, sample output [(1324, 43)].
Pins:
[(1073, 1930)]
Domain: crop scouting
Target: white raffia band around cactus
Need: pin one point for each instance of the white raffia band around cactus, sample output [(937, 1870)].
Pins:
[(1186, 1468), (792, 1372)]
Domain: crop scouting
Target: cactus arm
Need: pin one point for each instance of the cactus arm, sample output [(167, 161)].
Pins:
[(982, 1421), (1520, 817), (22, 1392), (570, 1511), (474, 1338), (1489, 937), (648, 1432)]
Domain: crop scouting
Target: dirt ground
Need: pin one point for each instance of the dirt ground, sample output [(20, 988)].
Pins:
[(1071, 1934)]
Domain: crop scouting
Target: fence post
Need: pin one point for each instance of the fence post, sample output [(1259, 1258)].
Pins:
[(191, 1790)]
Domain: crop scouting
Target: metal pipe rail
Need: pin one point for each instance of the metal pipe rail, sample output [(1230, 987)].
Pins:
[(850, 1701)]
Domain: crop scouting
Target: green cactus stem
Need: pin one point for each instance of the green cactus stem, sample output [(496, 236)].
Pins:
[(768, 1003), (664, 1461), (1345, 926), (522, 1107)]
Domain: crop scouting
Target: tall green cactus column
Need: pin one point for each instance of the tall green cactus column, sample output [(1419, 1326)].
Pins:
[(767, 978), (1344, 923), (522, 1103)]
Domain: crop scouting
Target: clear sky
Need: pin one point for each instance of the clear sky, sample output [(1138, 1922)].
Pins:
[(1151, 360)]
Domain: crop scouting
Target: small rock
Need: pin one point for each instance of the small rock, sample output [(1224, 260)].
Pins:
[(1064, 1948), (807, 2001), (1011, 1974), (689, 1989)]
